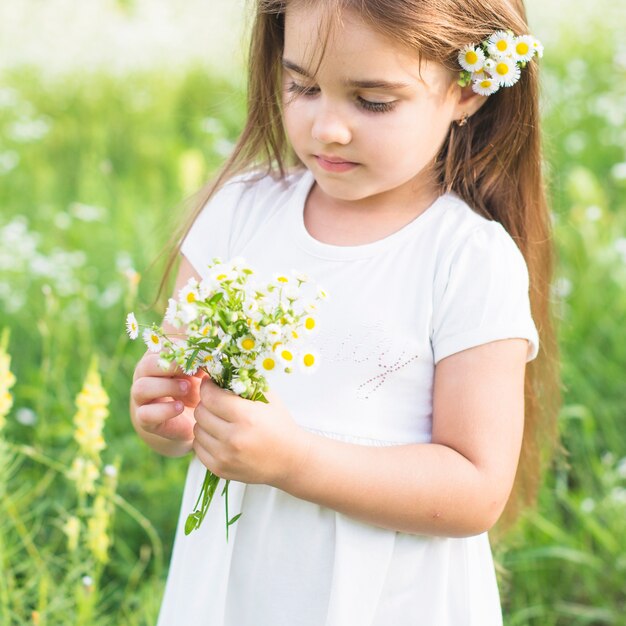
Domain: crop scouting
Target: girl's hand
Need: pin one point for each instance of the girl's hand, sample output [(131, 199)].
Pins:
[(251, 442), (162, 401)]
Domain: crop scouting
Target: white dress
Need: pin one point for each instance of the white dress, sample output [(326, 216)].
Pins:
[(447, 281)]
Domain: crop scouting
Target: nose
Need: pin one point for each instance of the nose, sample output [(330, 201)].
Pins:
[(329, 126)]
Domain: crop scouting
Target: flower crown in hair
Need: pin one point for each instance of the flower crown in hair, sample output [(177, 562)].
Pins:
[(497, 61)]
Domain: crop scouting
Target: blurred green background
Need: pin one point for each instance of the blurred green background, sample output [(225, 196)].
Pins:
[(111, 114)]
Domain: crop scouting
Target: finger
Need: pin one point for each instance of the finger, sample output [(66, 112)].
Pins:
[(149, 388), (210, 425), (219, 401), (150, 416), (149, 366)]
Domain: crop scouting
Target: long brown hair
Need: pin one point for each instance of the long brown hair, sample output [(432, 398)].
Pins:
[(493, 163)]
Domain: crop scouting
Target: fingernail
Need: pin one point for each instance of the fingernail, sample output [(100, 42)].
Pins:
[(178, 406), (184, 386)]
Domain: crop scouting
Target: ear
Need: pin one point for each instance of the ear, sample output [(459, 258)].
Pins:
[(467, 101)]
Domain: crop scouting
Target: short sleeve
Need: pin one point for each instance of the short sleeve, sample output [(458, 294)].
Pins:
[(481, 294), (210, 234)]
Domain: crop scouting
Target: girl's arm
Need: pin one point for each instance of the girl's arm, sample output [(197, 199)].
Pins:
[(455, 486)]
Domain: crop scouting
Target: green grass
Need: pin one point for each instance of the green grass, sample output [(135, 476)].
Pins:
[(124, 153)]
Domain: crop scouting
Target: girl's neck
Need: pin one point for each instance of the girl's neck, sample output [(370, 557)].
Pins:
[(357, 222)]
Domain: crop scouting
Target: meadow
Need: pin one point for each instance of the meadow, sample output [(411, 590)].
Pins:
[(94, 173)]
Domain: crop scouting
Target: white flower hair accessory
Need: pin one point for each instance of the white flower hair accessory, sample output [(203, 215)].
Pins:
[(497, 61)]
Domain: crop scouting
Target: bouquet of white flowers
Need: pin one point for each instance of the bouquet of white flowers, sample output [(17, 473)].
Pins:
[(236, 330)]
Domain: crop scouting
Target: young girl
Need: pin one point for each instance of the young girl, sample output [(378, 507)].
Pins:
[(367, 489)]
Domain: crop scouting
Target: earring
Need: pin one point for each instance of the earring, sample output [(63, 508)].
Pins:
[(463, 120)]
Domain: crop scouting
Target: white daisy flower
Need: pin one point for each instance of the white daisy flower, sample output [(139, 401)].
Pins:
[(309, 324), (281, 279), (308, 361), (286, 356), (506, 72), (471, 58), (132, 328), (226, 339), (301, 277), (273, 332), (266, 363), (537, 47), (246, 343), (190, 293), (523, 48), (172, 313), (206, 330), (222, 275), (216, 368), (187, 313), (206, 289), (153, 341), (485, 86), (489, 66), (500, 44), (291, 292), (238, 386)]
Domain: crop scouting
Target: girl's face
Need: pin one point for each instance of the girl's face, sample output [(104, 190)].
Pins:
[(369, 123)]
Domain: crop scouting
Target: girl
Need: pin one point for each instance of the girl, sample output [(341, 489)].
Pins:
[(367, 490)]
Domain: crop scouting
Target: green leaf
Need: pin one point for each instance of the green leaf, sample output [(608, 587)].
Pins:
[(234, 519), (216, 298)]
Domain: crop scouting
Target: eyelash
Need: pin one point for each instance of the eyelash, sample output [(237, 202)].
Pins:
[(374, 107)]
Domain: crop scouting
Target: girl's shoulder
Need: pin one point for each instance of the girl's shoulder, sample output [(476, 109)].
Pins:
[(236, 212), (460, 225)]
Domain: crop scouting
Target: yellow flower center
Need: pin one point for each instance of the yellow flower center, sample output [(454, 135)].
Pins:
[(278, 343), (309, 323), (154, 339), (248, 343), (207, 358), (522, 48), (191, 297), (502, 45), (294, 334), (471, 57), (309, 360), (502, 69), (485, 84), (221, 276), (268, 364), (282, 279), (288, 356)]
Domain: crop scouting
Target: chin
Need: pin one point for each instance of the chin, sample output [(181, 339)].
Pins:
[(347, 190)]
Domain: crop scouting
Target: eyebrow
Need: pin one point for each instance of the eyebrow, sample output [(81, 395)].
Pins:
[(361, 84)]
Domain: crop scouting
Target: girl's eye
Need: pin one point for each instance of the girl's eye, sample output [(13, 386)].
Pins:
[(368, 105), (377, 107), (301, 89)]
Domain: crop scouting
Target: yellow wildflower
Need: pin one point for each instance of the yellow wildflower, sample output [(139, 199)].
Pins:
[(92, 402), (98, 539), (71, 528), (7, 379), (84, 472)]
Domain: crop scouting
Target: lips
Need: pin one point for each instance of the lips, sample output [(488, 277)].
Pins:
[(333, 163)]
